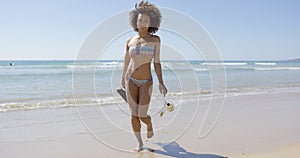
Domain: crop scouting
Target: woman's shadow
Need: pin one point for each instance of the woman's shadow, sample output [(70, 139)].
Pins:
[(173, 149)]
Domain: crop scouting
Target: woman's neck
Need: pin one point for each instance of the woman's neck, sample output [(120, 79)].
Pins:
[(143, 34)]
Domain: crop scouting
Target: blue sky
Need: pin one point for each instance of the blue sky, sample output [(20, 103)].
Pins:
[(242, 29)]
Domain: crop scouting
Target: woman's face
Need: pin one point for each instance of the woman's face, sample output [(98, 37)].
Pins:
[(143, 22)]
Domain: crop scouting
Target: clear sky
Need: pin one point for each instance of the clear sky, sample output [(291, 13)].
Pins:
[(242, 29)]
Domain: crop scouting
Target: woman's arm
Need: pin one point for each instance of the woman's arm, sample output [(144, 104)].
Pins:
[(126, 62), (157, 66)]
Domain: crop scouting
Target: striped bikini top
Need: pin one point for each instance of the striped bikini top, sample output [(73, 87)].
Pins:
[(141, 50)]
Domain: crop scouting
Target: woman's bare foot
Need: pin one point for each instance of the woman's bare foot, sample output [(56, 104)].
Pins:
[(150, 131), (139, 148)]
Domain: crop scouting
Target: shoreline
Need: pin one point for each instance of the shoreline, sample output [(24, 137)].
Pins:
[(114, 98), (249, 126)]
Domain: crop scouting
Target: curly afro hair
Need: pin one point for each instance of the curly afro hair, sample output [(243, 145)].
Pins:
[(149, 9)]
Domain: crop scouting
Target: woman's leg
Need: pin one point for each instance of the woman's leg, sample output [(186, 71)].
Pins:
[(144, 101), (132, 92)]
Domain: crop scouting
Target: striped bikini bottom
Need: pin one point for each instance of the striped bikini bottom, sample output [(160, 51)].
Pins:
[(137, 82)]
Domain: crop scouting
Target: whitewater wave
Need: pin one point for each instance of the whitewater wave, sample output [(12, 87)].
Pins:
[(95, 66), (268, 64), (276, 68), (116, 99), (201, 70), (34, 67), (224, 64), (62, 103)]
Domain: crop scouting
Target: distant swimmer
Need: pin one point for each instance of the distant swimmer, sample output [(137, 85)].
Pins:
[(11, 64)]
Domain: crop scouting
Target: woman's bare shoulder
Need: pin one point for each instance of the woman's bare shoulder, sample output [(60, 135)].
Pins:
[(155, 38), (129, 39)]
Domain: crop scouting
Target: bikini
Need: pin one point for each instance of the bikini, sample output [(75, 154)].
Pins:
[(137, 82), (135, 51), (139, 50)]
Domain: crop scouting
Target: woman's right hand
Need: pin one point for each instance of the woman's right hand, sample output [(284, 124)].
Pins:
[(162, 88), (123, 84)]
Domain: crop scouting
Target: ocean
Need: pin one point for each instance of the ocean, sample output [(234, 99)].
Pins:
[(27, 85)]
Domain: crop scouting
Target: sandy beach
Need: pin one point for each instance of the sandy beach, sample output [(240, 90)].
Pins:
[(261, 125), (231, 69)]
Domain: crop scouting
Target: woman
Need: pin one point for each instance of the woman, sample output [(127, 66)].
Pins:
[(141, 49)]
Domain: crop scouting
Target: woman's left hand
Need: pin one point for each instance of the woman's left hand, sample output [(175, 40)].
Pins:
[(162, 88)]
